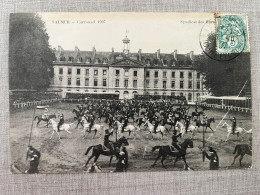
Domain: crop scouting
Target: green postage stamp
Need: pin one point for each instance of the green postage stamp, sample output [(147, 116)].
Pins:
[(232, 33)]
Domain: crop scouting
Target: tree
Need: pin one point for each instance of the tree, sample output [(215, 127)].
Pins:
[(223, 77), (30, 56)]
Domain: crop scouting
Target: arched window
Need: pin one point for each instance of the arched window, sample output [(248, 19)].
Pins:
[(71, 59), (164, 93), (146, 93), (155, 93), (88, 60), (181, 94), (95, 90), (62, 58), (147, 61), (97, 61), (80, 59), (105, 60), (165, 62)]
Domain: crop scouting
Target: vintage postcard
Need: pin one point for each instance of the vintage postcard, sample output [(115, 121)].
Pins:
[(117, 92)]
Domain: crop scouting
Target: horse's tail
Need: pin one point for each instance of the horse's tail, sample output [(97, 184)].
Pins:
[(89, 148), (236, 148), (155, 148)]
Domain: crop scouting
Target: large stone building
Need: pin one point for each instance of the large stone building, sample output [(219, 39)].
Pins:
[(127, 73)]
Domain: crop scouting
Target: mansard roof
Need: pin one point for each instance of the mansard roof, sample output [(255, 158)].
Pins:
[(112, 58)]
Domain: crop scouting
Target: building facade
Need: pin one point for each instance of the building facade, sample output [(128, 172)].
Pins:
[(127, 73)]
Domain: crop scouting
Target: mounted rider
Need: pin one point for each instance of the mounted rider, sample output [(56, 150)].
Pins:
[(107, 143), (45, 114), (34, 158), (91, 121), (61, 122), (234, 124), (125, 123), (156, 124), (204, 118), (187, 123), (175, 141)]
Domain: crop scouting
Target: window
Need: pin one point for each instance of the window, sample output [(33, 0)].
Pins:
[(156, 93), (135, 73), (126, 83), (173, 74), (95, 82), (164, 84), (156, 74), (198, 85), (172, 93), (198, 95), (69, 70), (117, 82), (61, 71), (181, 94), (87, 82), (181, 74), (60, 78), (69, 81), (147, 74), (104, 82), (189, 96), (173, 84), (78, 71), (135, 83), (87, 72), (164, 93), (78, 82), (95, 72), (156, 84), (147, 83), (117, 72), (181, 84), (71, 59), (190, 75), (104, 72), (190, 84), (198, 75), (164, 74), (126, 72)]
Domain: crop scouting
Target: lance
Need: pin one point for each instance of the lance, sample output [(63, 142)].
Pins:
[(203, 154), (30, 137)]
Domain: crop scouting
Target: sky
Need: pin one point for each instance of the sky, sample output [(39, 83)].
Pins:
[(146, 31)]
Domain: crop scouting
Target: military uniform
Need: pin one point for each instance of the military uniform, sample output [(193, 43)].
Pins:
[(107, 142), (234, 124), (175, 140), (61, 122)]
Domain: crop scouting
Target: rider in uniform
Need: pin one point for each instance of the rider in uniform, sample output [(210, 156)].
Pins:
[(234, 124), (187, 123), (45, 114), (122, 162), (91, 121), (175, 140), (61, 122), (156, 124), (107, 142), (213, 157), (34, 158), (125, 124)]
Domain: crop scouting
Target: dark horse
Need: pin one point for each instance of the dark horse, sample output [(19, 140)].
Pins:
[(39, 117), (197, 114), (98, 150), (166, 150), (241, 150), (78, 117), (207, 124)]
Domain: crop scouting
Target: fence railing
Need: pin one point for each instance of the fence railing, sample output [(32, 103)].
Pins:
[(224, 107), (33, 103)]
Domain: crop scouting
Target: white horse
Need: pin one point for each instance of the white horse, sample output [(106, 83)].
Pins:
[(64, 127), (238, 130), (160, 129), (128, 129), (193, 129), (96, 128), (179, 126)]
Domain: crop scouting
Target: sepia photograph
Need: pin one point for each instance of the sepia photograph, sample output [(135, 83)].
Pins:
[(129, 92)]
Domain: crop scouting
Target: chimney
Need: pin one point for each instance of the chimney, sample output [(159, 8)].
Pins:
[(76, 49), (175, 54), (158, 54), (112, 49), (94, 52), (59, 49), (140, 54), (191, 55)]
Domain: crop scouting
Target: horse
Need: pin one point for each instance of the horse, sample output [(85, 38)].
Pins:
[(47, 119), (139, 122), (128, 128), (197, 114), (180, 127), (96, 128), (193, 130), (207, 124), (99, 150), (166, 150), (241, 150), (64, 127), (160, 128), (78, 117), (238, 130)]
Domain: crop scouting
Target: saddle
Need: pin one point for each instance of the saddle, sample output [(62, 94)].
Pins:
[(106, 148), (172, 149)]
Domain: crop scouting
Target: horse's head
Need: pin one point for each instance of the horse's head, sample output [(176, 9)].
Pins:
[(123, 140), (212, 119)]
